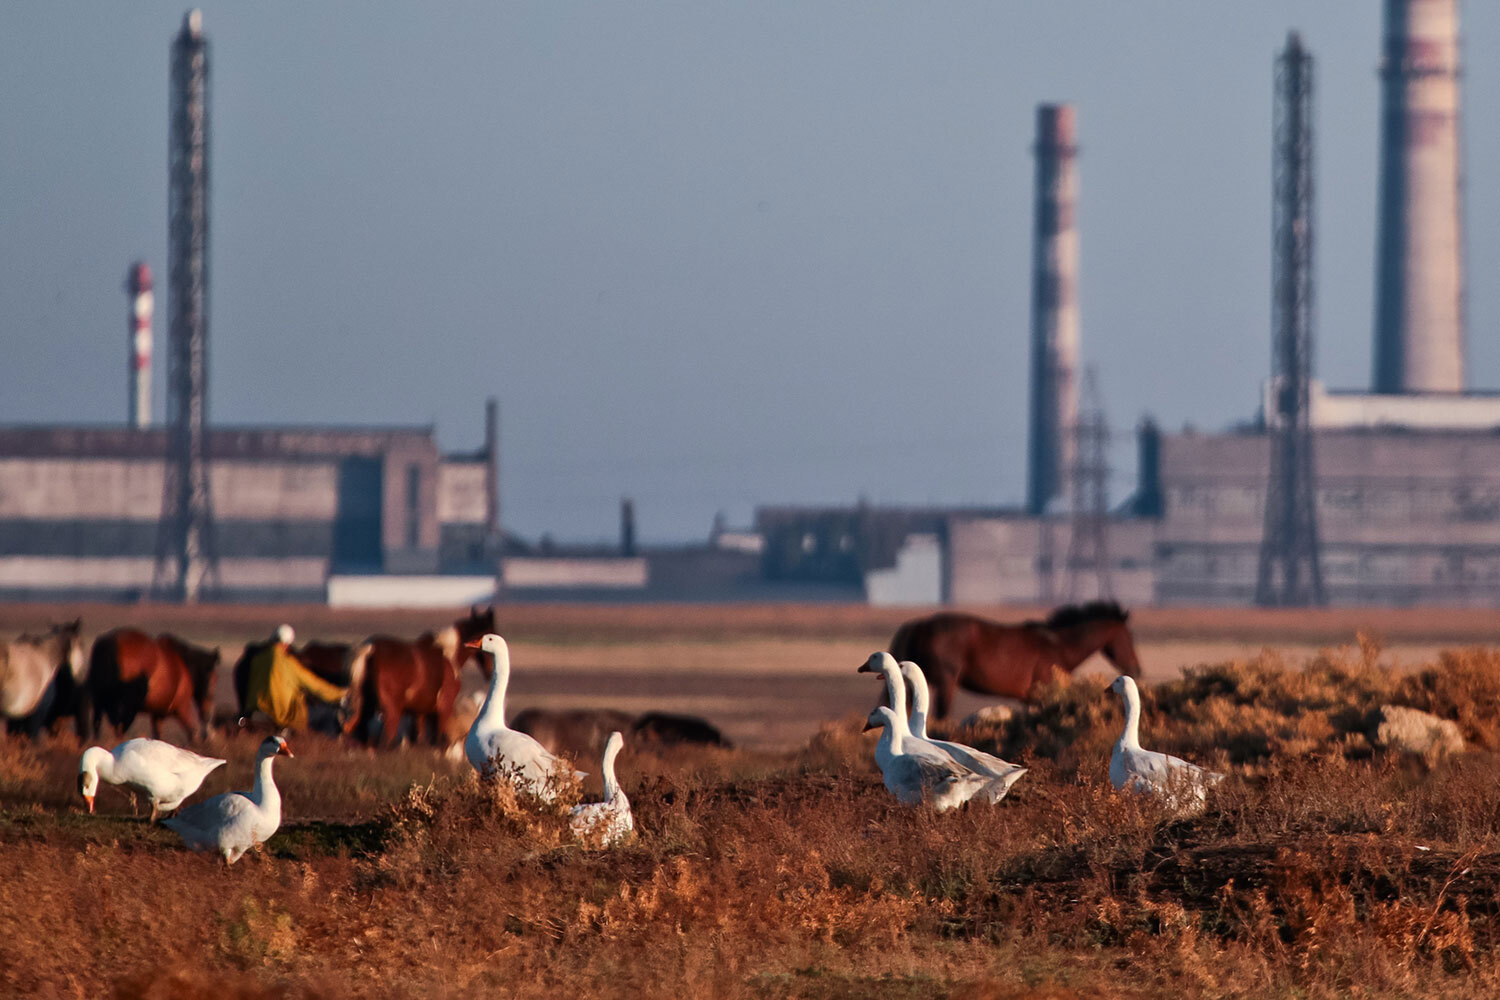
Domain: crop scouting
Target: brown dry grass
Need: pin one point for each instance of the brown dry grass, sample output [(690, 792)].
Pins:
[(1323, 868)]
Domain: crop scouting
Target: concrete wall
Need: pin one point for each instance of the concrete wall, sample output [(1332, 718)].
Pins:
[(1023, 560)]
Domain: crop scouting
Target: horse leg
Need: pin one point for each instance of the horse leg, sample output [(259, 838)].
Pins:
[(390, 725), (945, 690)]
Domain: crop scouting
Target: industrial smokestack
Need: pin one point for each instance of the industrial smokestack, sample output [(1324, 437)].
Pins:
[(1054, 309), (138, 284), (1419, 327)]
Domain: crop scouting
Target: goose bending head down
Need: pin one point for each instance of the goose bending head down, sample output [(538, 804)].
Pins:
[(1002, 772), (609, 821), (167, 774), (232, 823), (493, 748), (1181, 785), (915, 778)]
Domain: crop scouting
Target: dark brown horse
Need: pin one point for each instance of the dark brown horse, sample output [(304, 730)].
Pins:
[(131, 672), (400, 678), (960, 650)]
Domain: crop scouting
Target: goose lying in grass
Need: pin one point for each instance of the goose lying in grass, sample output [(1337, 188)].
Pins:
[(232, 823), (607, 822), (1002, 772), (493, 747), (919, 776), (1182, 786), (167, 774)]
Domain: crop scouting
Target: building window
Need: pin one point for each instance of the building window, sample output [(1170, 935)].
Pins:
[(413, 506)]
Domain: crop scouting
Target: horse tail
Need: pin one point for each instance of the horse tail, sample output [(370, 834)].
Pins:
[(355, 664)]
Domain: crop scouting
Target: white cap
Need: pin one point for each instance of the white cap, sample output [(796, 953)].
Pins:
[(285, 635)]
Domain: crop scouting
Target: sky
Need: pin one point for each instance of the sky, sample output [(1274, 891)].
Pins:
[(707, 255)]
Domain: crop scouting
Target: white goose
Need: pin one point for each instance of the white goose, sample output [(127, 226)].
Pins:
[(492, 746), (609, 821), (166, 773), (232, 823), (1003, 772), (915, 778), (885, 665), (1183, 786)]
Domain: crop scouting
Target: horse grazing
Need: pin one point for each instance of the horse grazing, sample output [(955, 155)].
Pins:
[(398, 678), (961, 650), (131, 672), (35, 689)]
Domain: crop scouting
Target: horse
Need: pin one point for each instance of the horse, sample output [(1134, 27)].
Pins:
[(961, 650), (329, 660), (397, 678), (34, 689), (167, 678)]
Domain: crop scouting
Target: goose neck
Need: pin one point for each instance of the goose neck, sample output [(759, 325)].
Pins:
[(100, 762), (1131, 737), (265, 790), (895, 686), (920, 702), (611, 783), (493, 709)]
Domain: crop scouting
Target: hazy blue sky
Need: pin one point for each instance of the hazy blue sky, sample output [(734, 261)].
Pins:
[(708, 255)]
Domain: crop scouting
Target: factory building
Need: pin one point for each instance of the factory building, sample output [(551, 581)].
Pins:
[(81, 508)]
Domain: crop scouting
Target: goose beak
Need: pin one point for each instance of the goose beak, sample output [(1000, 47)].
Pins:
[(475, 644), (285, 750), (90, 800)]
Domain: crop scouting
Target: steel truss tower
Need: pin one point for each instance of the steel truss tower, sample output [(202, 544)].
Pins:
[(186, 556), (1088, 546), (1290, 575)]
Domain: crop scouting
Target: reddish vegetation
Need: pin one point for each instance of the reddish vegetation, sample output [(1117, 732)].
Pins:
[(1323, 867)]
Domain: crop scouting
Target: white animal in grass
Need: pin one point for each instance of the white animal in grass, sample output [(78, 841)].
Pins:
[(609, 821), (1003, 772), (495, 748), (232, 823), (167, 774), (920, 776), (885, 665), (1181, 785)]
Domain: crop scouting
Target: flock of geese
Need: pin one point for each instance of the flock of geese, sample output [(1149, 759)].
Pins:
[(916, 768), (945, 774)]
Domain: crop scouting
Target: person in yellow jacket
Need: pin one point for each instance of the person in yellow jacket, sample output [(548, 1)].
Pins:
[(279, 683)]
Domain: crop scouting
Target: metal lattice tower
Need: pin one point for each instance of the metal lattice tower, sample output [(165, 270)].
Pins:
[(1088, 544), (186, 556), (1290, 575)]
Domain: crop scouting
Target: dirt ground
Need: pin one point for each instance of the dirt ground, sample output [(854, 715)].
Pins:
[(767, 675)]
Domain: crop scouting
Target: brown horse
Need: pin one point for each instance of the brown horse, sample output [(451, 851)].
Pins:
[(131, 672), (398, 678), (959, 650)]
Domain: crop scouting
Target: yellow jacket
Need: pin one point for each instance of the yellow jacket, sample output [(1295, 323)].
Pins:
[(279, 684)]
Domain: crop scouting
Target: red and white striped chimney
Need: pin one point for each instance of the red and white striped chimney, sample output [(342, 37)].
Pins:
[(141, 303), (1419, 321)]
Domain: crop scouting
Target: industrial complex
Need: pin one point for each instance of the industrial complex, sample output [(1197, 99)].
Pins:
[(1388, 496)]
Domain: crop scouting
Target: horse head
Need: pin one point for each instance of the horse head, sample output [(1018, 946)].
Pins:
[(1119, 649), (478, 623)]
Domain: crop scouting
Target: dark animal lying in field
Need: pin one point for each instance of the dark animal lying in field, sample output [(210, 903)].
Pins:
[(582, 731)]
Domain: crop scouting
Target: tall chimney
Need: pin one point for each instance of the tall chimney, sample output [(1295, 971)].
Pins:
[(1054, 309), (1419, 321), (138, 284)]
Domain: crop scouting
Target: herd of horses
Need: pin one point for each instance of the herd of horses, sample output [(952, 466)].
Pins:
[(399, 686)]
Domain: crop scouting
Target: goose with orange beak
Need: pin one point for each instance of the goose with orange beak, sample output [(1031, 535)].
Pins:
[(493, 748)]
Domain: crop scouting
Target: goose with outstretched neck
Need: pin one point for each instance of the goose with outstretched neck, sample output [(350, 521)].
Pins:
[(232, 823), (1181, 785), (1002, 772), (607, 822), (496, 749)]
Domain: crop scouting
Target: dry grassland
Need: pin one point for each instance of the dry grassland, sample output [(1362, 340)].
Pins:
[(1323, 868)]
